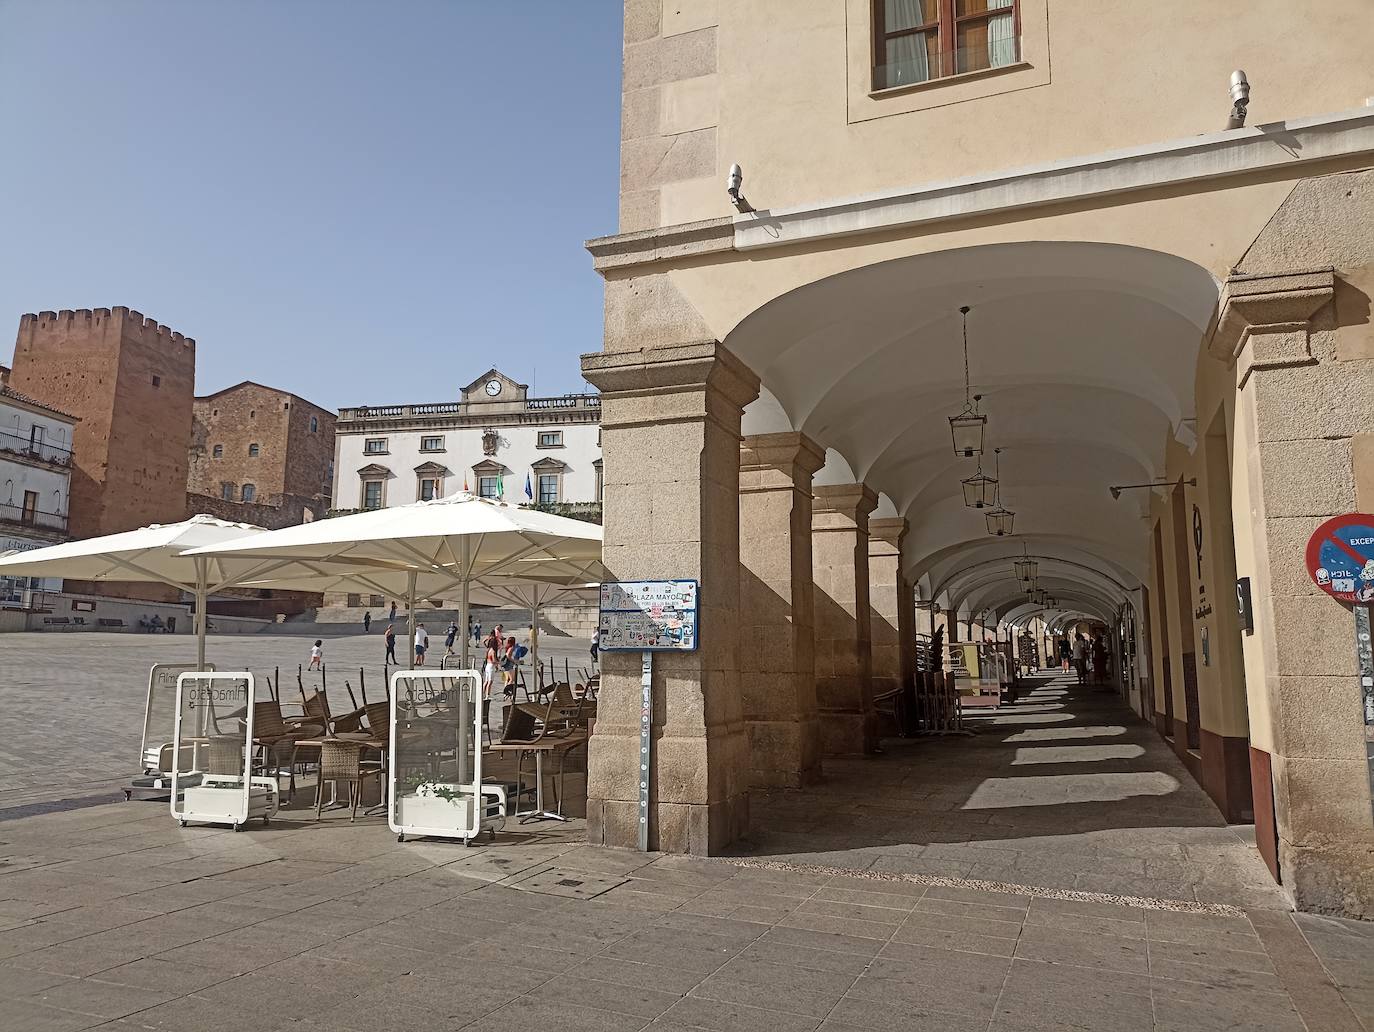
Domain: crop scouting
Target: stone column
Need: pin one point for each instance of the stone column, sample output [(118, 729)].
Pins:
[(844, 661), (1300, 400), (777, 613), (892, 605), (670, 435)]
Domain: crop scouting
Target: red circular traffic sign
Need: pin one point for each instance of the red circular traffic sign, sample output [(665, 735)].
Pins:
[(1340, 558)]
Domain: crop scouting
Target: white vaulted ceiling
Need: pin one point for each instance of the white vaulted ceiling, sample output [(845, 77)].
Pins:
[(1085, 355)]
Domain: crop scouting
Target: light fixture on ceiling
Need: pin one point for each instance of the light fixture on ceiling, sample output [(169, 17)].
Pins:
[(1116, 489), (999, 518), (980, 490), (967, 428), (1025, 567)]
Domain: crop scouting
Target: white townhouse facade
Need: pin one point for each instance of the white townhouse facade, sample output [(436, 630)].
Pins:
[(494, 442), (35, 481)]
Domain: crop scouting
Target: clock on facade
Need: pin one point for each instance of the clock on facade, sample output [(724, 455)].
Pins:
[(493, 387)]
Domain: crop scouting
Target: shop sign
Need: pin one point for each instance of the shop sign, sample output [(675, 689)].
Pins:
[(1340, 558)]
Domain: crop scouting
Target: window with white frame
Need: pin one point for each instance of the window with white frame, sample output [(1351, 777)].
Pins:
[(431, 444), (372, 494), (550, 488), (430, 488), (486, 487), (551, 439), (374, 446)]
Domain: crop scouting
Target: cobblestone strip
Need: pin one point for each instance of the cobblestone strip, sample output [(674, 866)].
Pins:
[(1180, 906)]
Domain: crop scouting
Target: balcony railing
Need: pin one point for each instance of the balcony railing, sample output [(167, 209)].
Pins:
[(454, 408), (13, 444), (11, 513)]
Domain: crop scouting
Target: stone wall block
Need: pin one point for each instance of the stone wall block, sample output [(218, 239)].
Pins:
[(1316, 637), (1320, 717), (670, 59), (1308, 478)]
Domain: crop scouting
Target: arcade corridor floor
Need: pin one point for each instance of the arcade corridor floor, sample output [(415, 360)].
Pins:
[(1066, 790)]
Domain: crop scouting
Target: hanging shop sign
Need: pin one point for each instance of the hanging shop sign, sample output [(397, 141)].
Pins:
[(1340, 558), (648, 616)]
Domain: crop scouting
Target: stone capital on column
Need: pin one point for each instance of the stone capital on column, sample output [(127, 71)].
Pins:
[(673, 383), (842, 507), (768, 462), (1262, 320), (889, 530)]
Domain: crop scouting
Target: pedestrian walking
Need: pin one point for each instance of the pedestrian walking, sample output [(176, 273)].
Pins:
[(421, 644), (393, 611), (1080, 658), (596, 643), (316, 655), (476, 633), (449, 638), (489, 667), (507, 663), (1065, 654), (391, 643), (1099, 660), (367, 623)]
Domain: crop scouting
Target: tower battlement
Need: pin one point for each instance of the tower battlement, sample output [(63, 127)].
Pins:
[(132, 319)]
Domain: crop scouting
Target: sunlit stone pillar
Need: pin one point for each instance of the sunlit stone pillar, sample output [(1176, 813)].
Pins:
[(670, 437), (1303, 367), (844, 661), (892, 605), (778, 666)]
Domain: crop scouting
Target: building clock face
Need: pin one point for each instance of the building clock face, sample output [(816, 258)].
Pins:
[(493, 387)]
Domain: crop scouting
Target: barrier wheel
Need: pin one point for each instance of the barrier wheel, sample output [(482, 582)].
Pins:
[(183, 824), (401, 837), (467, 842), (491, 834), (128, 794), (266, 819), (238, 827)]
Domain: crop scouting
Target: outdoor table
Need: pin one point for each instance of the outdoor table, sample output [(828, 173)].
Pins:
[(540, 746)]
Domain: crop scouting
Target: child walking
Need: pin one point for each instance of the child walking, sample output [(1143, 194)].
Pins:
[(316, 655)]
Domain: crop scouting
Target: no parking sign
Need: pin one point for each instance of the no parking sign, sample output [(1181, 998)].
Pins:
[(1340, 558)]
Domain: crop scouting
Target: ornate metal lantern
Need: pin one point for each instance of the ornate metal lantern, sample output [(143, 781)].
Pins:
[(967, 428), (980, 490), (999, 521)]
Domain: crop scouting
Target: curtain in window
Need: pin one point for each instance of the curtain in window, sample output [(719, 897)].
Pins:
[(906, 55), (1001, 35)]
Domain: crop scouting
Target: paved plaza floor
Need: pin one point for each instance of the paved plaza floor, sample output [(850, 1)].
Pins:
[(74, 702), (971, 884)]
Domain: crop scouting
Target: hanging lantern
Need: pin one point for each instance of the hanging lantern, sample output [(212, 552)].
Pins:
[(980, 490), (1025, 568), (999, 521), (967, 428)]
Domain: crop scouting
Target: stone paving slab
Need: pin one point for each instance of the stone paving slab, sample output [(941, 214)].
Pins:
[(244, 934)]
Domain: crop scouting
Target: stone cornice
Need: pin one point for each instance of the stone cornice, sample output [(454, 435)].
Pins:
[(1203, 159), (791, 452), (664, 243), (854, 501), (892, 529)]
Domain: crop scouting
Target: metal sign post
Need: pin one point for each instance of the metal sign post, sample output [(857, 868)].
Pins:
[(1364, 652), (1340, 561), (646, 731), (647, 617)]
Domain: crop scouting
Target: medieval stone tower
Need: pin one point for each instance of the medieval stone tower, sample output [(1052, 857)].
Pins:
[(131, 381)]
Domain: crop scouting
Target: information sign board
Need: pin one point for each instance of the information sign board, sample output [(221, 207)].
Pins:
[(648, 616)]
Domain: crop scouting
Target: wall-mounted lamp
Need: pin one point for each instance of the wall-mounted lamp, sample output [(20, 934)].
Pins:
[(1116, 489), (1240, 100)]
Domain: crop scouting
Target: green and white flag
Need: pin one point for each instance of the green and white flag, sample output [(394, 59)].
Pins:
[(500, 485)]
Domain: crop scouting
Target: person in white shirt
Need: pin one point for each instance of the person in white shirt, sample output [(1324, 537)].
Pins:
[(317, 654), (421, 644)]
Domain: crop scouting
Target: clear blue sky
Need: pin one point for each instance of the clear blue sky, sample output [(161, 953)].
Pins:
[(359, 202)]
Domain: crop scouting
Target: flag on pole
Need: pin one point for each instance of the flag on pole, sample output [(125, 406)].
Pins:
[(465, 485), (529, 491), (500, 485)]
